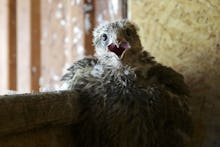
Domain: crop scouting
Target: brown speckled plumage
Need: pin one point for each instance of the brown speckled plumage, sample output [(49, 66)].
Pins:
[(128, 99)]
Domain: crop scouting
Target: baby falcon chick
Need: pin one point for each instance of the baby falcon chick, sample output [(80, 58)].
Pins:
[(127, 98)]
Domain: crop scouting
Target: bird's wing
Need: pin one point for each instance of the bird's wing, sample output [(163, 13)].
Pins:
[(172, 80), (148, 68), (178, 93), (173, 86), (79, 65)]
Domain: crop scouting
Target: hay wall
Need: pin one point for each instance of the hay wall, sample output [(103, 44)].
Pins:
[(185, 34)]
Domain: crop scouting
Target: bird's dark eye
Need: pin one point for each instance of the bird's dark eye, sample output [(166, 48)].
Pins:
[(104, 37), (128, 32)]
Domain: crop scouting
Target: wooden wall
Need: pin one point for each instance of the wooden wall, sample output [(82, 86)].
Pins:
[(40, 39), (185, 35)]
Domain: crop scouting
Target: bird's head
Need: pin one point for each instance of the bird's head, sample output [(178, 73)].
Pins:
[(116, 38)]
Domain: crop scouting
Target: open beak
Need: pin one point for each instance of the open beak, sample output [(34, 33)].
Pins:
[(119, 49)]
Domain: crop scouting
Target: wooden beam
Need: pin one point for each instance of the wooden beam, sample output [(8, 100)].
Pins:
[(3, 46), (124, 7), (54, 43), (89, 24), (23, 46), (109, 10), (35, 18), (75, 31), (49, 136), (12, 44), (25, 112)]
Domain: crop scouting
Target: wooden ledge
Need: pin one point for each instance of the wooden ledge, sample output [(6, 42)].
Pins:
[(24, 112)]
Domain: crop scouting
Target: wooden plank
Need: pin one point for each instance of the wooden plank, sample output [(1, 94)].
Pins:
[(3, 46), (20, 113), (124, 7), (75, 31), (56, 136), (63, 39), (109, 10), (12, 44), (35, 33), (89, 24), (23, 46), (54, 42)]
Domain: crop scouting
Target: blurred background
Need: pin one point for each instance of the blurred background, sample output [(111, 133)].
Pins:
[(40, 39)]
